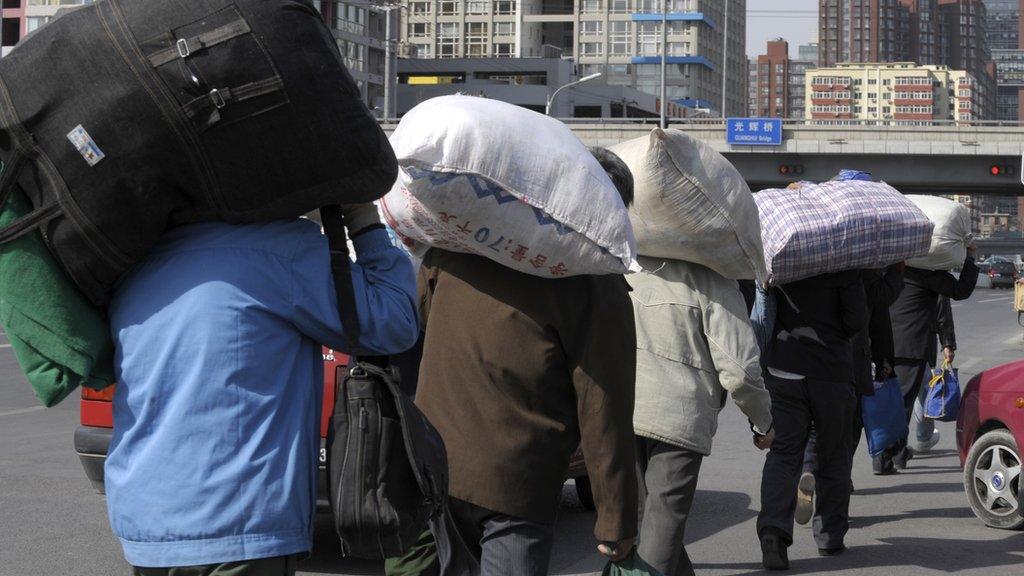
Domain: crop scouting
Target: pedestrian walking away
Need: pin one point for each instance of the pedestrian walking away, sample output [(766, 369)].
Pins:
[(694, 345), (810, 375), (218, 333)]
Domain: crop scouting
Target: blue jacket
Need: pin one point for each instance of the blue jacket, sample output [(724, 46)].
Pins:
[(219, 367)]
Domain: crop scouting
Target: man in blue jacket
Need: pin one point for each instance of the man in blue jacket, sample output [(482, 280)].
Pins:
[(213, 463)]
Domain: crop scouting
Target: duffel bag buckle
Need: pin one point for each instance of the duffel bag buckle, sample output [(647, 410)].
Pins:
[(183, 49), (217, 98)]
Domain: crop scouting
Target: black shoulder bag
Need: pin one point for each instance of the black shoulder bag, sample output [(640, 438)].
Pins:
[(387, 464)]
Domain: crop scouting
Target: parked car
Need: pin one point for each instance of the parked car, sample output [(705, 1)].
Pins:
[(989, 437), (1002, 273), (92, 438)]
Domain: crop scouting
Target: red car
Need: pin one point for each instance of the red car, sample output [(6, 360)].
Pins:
[(92, 438), (989, 437)]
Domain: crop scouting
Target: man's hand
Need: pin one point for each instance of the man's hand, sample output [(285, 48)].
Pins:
[(616, 551), (764, 442), (359, 217), (948, 354)]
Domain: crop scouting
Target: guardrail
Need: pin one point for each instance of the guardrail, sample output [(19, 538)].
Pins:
[(790, 123)]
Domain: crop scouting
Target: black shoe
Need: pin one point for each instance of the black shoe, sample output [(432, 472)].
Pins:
[(902, 458), (882, 465), (832, 551), (774, 555)]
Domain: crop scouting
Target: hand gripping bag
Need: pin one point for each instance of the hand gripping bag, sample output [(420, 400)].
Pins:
[(692, 204), (485, 177), (943, 400), (124, 117), (835, 226), (952, 234)]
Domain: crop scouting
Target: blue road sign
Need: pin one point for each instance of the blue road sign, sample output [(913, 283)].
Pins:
[(754, 131)]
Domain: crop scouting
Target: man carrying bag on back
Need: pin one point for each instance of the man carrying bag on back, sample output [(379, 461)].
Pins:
[(212, 467)]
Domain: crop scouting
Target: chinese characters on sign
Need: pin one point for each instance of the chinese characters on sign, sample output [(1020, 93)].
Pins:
[(754, 131)]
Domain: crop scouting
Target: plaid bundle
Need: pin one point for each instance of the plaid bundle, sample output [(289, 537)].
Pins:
[(836, 226)]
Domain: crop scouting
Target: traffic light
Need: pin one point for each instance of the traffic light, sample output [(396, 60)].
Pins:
[(791, 169), (1002, 170)]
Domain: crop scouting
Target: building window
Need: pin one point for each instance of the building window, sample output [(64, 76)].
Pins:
[(34, 22), (591, 28), (447, 47), (503, 50), (678, 48), (421, 51), (477, 6), (591, 49), (648, 39), (619, 6), (351, 19), (504, 28), (590, 6), (505, 7), (352, 54), (476, 39), (420, 8), (419, 29), (620, 39), (448, 30), (448, 7)]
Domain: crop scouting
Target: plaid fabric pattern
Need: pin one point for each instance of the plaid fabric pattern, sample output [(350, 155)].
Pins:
[(836, 226)]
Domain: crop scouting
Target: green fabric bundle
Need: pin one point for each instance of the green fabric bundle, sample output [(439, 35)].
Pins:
[(633, 565), (60, 339)]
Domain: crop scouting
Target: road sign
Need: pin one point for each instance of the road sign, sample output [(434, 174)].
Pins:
[(754, 131)]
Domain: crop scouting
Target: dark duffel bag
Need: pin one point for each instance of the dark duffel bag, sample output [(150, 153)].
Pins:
[(125, 117)]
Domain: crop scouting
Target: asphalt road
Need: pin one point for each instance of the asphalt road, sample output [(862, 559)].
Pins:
[(917, 523)]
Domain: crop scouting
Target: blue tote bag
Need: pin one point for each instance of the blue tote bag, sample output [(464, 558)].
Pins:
[(943, 400), (885, 422)]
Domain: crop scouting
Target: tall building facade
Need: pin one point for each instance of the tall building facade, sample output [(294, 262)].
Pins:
[(861, 31), (1003, 31), (360, 32), (892, 93), (773, 81), (621, 39)]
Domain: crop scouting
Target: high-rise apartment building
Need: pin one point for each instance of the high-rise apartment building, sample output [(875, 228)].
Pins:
[(773, 81), (808, 52), (752, 87), (896, 93), (861, 31), (619, 38), (1004, 39), (359, 29)]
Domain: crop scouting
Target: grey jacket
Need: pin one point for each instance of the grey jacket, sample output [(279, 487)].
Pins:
[(694, 343)]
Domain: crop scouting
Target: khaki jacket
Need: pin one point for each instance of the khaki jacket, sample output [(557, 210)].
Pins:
[(694, 344)]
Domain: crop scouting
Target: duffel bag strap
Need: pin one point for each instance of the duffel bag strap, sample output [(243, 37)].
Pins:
[(185, 47), (220, 97), (341, 269)]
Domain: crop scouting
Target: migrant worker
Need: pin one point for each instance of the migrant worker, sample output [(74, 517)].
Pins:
[(213, 464), (873, 358), (517, 371), (915, 317), (694, 345), (945, 337), (810, 376)]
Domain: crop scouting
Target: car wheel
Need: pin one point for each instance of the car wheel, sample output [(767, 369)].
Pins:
[(992, 480), (584, 492)]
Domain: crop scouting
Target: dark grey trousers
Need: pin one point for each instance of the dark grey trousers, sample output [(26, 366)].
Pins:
[(502, 544), (796, 404), (668, 482)]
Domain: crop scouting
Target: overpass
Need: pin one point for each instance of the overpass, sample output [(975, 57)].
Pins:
[(940, 158)]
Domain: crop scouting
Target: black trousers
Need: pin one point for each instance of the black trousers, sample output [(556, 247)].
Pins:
[(796, 406)]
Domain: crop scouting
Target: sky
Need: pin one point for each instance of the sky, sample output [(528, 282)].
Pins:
[(796, 21)]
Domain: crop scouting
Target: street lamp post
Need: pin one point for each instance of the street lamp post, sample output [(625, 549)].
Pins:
[(551, 98), (386, 9), (664, 49), (725, 58)]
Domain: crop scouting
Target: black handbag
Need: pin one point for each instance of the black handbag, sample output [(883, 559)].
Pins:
[(387, 464), (124, 117)]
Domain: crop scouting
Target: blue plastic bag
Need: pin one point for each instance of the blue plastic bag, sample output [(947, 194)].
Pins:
[(943, 401), (885, 422)]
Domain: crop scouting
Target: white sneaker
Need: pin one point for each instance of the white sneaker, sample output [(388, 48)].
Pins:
[(927, 444), (805, 499)]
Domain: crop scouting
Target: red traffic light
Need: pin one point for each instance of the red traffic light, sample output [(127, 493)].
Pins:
[(997, 170), (787, 169)]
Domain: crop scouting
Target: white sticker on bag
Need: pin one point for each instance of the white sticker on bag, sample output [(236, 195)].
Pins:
[(86, 145)]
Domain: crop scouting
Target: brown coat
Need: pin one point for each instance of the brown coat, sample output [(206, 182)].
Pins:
[(516, 370)]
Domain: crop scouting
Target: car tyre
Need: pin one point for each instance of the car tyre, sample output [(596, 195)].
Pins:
[(585, 493), (992, 479)]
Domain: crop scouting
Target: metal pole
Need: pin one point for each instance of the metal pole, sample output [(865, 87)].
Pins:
[(725, 58), (387, 63), (664, 49)]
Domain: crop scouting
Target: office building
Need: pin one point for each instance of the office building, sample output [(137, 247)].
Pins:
[(360, 30), (621, 39), (752, 87), (1004, 40), (892, 93)]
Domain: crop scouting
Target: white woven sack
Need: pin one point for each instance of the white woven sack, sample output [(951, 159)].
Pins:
[(951, 236), (484, 177), (692, 204)]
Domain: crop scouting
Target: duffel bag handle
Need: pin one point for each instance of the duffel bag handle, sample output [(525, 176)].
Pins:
[(9, 172)]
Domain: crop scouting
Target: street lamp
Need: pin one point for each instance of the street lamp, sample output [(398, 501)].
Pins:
[(551, 98)]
